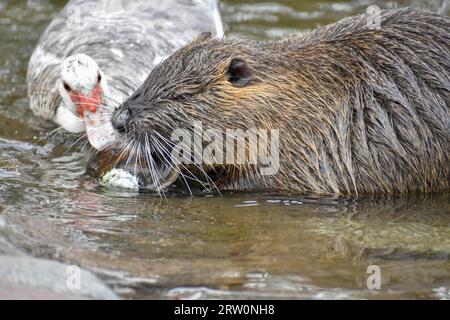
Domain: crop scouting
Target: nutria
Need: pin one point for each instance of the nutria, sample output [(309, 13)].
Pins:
[(359, 109)]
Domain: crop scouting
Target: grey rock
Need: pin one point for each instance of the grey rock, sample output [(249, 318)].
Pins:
[(23, 277)]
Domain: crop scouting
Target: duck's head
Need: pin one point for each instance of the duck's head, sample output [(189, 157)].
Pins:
[(83, 88)]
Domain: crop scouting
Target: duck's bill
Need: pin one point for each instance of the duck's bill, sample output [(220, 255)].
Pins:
[(99, 129)]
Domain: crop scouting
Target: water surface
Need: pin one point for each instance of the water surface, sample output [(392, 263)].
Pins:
[(235, 246)]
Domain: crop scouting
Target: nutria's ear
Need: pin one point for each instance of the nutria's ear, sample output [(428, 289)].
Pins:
[(239, 73), (204, 36)]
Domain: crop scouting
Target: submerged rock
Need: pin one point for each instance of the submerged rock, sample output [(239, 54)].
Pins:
[(23, 277)]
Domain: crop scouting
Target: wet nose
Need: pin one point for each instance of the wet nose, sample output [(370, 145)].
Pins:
[(120, 119)]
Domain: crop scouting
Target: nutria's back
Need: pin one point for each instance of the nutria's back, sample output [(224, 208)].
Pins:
[(359, 109)]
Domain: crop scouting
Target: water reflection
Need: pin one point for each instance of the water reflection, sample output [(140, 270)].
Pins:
[(265, 18)]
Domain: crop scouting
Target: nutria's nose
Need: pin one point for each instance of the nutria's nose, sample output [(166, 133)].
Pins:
[(120, 119)]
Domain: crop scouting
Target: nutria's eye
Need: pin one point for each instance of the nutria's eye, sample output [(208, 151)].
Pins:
[(184, 97), (99, 78), (239, 73), (66, 86)]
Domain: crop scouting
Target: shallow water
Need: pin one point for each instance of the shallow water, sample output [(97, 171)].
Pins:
[(234, 246)]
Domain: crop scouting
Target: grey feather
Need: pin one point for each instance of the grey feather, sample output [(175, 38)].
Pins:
[(126, 39)]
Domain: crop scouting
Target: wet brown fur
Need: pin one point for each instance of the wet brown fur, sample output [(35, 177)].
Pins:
[(359, 110)]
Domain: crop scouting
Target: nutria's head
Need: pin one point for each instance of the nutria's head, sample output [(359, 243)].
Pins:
[(224, 84), (208, 80)]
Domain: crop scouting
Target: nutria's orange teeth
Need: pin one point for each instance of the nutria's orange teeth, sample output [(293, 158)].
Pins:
[(166, 181), (110, 168)]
